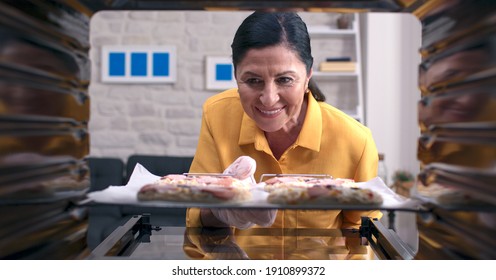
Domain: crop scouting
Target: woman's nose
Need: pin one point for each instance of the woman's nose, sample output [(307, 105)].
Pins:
[(269, 95)]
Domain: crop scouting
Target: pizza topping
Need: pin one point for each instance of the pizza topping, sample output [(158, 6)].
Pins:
[(319, 191), (153, 188), (305, 182), (173, 177), (223, 193), (288, 179), (282, 190), (204, 188)]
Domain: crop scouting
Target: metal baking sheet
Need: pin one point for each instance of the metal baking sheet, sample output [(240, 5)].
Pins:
[(127, 195), (410, 205)]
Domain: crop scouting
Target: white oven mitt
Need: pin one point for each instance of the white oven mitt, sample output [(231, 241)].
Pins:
[(244, 168)]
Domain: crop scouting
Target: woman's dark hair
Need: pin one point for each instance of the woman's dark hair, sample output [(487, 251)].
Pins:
[(265, 29)]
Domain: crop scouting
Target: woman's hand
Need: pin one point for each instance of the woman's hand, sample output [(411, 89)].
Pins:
[(240, 218), (245, 218), (242, 168)]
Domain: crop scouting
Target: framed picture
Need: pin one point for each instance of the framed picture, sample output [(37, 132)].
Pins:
[(220, 73), (138, 64)]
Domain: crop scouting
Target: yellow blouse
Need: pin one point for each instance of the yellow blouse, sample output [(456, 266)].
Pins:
[(330, 142)]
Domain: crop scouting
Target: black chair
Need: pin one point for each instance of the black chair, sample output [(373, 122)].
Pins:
[(105, 171), (159, 165), (104, 219)]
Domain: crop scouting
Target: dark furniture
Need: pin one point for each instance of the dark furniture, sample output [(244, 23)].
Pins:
[(104, 172), (104, 219), (159, 165)]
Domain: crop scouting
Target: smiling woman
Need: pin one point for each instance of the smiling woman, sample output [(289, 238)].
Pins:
[(278, 117), (45, 60)]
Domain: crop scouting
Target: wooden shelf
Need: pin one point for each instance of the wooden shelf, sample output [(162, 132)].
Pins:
[(335, 74), (329, 31), (324, 30)]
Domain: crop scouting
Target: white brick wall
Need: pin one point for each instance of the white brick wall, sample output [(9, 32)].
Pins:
[(163, 119)]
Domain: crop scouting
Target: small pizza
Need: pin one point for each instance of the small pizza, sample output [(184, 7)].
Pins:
[(319, 191), (201, 188), (304, 182)]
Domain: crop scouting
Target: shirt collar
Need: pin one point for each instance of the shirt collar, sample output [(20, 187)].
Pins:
[(309, 137)]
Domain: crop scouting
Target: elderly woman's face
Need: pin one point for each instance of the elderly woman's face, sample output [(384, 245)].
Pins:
[(271, 84), (464, 106)]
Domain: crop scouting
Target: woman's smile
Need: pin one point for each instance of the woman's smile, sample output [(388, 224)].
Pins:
[(270, 113)]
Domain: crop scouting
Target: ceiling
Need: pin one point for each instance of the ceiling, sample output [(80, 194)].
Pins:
[(324, 6)]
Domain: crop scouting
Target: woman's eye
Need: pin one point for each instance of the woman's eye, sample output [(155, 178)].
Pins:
[(284, 80), (253, 81)]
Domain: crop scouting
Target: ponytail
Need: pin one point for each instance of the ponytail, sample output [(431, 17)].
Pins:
[(316, 92)]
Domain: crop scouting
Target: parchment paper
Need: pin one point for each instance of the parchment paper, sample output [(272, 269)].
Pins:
[(127, 195)]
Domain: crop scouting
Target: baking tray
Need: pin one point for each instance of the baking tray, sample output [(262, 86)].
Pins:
[(127, 195)]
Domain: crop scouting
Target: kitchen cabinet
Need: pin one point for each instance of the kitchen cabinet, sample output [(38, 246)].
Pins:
[(343, 89)]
